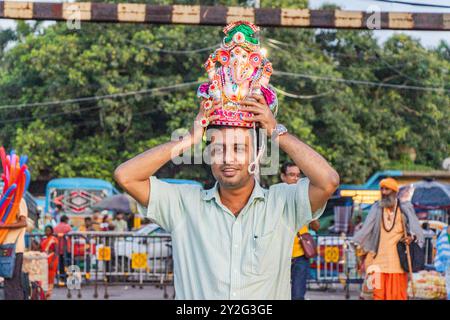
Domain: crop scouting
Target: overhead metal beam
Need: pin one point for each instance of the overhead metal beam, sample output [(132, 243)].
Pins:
[(220, 15)]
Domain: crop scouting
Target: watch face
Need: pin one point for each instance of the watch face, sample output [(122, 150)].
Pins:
[(281, 129)]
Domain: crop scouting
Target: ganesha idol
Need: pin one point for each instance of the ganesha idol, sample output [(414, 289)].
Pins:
[(237, 70)]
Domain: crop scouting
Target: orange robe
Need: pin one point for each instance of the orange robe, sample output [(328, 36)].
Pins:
[(393, 286)]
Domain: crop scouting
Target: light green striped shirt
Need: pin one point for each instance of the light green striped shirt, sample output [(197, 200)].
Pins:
[(220, 256)]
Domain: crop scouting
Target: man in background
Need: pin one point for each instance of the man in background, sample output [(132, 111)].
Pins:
[(290, 174), (97, 220), (120, 225), (382, 230), (60, 230), (430, 241), (88, 225), (56, 213), (16, 234)]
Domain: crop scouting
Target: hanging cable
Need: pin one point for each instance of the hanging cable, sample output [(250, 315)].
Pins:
[(173, 51), (297, 96), (359, 82), (108, 96)]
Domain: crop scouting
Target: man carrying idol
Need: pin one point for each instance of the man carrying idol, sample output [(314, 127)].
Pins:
[(233, 241)]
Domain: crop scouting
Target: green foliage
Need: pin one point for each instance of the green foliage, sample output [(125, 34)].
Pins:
[(359, 128), (45, 146)]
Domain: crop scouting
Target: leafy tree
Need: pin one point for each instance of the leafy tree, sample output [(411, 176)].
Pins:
[(360, 128)]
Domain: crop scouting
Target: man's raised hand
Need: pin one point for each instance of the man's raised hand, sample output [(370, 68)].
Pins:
[(261, 112), (203, 119)]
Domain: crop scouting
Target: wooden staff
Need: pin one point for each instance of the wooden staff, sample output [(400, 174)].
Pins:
[(408, 256)]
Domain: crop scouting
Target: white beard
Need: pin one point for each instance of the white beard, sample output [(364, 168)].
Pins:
[(388, 202)]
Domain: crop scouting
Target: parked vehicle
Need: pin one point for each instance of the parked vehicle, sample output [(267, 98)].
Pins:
[(151, 240)]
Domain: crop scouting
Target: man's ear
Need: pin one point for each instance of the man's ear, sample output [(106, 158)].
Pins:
[(283, 177)]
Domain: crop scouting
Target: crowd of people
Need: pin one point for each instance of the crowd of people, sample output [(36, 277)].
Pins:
[(55, 245), (96, 222)]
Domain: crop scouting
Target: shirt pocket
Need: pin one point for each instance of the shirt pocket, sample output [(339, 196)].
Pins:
[(261, 262)]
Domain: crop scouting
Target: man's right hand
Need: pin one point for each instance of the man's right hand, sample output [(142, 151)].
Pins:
[(203, 114), (133, 175)]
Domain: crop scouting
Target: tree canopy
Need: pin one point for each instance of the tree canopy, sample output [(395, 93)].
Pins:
[(362, 124)]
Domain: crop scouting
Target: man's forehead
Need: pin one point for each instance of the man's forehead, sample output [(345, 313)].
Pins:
[(292, 169), (230, 135)]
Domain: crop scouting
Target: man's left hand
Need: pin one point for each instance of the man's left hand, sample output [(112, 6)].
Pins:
[(261, 112), (408, 240)]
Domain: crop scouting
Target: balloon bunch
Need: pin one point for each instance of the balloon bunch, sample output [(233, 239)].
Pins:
[(16, 179)]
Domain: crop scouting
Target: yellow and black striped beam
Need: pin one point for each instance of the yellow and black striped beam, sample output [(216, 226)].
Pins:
[(219, 15)]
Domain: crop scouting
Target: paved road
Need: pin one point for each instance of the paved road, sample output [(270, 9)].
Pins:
[(116, 292), (120, 292)]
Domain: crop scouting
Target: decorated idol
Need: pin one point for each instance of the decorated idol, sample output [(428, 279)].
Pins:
[(237, 70)]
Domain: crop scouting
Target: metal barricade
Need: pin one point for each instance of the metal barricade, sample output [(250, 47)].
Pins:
[(336, 262), (429, 251), (33, 240), (122, 258), (110, 258)]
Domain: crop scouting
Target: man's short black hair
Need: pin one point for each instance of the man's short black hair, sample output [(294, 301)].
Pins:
[(286, 165), (86, 219), (64, 218)]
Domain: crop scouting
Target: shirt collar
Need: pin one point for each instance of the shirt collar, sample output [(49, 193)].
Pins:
[(258, 192)]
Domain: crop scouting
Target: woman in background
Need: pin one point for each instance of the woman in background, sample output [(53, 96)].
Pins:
[(106, 224), (49, 245)]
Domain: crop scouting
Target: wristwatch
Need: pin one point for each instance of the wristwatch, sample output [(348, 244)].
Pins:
[(279, 130)]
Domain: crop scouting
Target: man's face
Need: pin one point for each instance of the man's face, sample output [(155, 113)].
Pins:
[(231, 152), (292, 175), (388, 197)]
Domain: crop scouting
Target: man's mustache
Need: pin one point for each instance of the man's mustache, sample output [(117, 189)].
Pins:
[(388, 200)]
